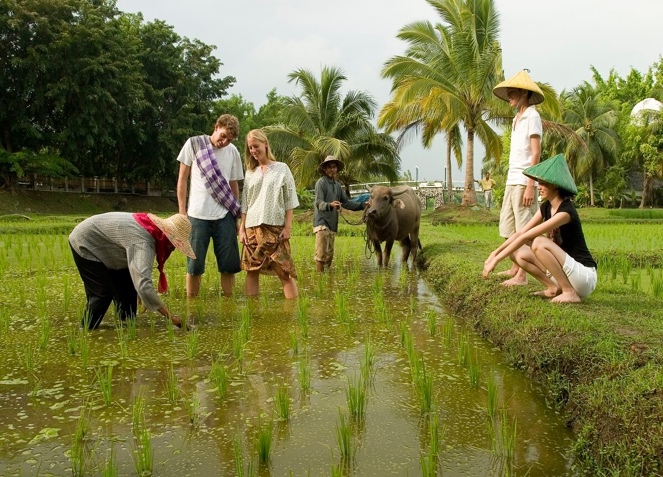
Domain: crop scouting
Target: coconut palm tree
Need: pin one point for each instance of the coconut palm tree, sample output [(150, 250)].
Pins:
[(320, 122), (453, 66), (419, 118), (593, 119)]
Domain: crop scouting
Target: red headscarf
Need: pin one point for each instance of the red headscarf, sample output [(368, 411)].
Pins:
[(163, 247)]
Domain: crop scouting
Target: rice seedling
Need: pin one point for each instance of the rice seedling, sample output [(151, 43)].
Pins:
[(434, 434), (344, 440), (264, 441), (407, 339), (142, 453), (341, 307), (473, 371), (192, 343), (73, 338), (322, 286), (105, 383), (625, 269), (84, 348), (294, 343), (138, 411), (491, 387), (302, 316), (636, 281), (110, 468), (447, 331), (36, 387), (30, 356), (123, 340), (171, 385), (356, 397), (431, 320), (132, 328), (78, 453), (463, 351), (238, 451), (423, 383), (219, 376), (170, 329), (304, 373), (367, 362), (413, 304), (504, 437), (45, 328), (428, 462), (282, 402), (381, 310), (192, 406)]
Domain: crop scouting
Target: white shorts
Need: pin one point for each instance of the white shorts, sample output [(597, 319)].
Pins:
[(582, 278)]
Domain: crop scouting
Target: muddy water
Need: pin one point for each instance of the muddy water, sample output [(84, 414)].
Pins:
[(40, 403)]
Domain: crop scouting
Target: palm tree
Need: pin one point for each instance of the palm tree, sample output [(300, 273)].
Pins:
[(321, 122), (418, 117), (453, 65), (644, 143), (593, 120)]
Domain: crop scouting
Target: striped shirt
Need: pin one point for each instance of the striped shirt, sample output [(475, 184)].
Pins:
[(118, 241)]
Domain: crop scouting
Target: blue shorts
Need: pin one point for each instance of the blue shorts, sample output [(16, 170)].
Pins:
[(224, 237)]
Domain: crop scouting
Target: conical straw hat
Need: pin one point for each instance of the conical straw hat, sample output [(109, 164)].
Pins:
[(554, 171), (521, 80), (178, 230)]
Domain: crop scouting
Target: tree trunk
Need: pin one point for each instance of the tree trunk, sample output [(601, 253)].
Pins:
[(450, 187), (646, 189), (591, 189), (469, 194)]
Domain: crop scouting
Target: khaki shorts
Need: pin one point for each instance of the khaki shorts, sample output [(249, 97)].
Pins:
[(514, 216), (324, 245)]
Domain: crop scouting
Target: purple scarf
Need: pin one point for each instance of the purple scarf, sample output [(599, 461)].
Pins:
[(215, 182)]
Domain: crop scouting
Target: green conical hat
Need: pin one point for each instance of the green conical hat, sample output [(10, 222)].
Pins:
[(554, 171), (520, 80)]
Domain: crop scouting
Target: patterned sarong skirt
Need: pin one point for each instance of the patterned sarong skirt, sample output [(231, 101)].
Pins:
[(265, 252)]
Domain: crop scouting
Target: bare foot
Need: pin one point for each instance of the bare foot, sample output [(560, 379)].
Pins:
[(507, 273), (547, 293), (514, 282), (567, 297)]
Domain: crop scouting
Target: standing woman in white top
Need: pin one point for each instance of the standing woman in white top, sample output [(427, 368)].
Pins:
[(268, 199)]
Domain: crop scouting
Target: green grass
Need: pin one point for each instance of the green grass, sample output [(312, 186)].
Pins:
[(604, 355)]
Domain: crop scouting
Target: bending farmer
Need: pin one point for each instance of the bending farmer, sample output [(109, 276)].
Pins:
[(114, 254)]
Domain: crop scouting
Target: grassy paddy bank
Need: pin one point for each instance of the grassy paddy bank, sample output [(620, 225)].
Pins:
[(600, 360)]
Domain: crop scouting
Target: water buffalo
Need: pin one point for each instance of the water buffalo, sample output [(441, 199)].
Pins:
[(394, 214)]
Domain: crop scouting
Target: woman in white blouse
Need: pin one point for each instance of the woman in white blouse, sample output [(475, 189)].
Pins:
[(268, 199)]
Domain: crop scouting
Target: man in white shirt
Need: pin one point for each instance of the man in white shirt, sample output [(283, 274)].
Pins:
[(214, 165), (519, 204)]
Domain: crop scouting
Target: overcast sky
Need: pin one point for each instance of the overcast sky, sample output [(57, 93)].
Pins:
[(261, 41)]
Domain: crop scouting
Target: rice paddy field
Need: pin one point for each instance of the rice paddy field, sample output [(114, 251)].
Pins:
[(365, 374)]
